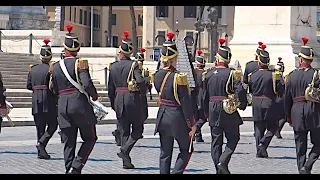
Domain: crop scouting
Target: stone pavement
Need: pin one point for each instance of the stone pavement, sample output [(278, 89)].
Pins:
[(18, 154), (23, 117)]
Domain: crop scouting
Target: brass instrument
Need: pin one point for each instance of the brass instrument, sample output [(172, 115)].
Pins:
[(275, 78), (132, 83), (100, 111), (231, 104), (311, 93)]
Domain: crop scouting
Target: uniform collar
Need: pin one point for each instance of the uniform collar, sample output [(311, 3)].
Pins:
[(305, 65), (222, 65), (69, 55), (199, 68)]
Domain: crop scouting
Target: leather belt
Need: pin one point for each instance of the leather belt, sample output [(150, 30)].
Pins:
[(40, 87), (68, 91), (299, 99), (265, 97), (167, 102), (217, 98), (122, 89)]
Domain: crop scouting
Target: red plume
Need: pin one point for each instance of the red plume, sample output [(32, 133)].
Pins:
[(221, 41), (46, 41), (142, 50), (170, 35), (279, 58), (199, 52), (263, 46), (260, 43), (187, 43), (126, 34), (305, 40), (69, 27)]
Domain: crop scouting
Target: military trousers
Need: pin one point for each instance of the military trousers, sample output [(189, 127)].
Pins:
[(232, 133), (166, 149), (89, 137), (301, 141), (282, 122), (261, 136), (46, 125)]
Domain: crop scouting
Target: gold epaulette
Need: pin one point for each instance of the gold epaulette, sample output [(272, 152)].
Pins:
[(286, 77), (51, 66), (204, 75), (152, 77), (83, 64), (110, 66), (181, 79), (237, 75)]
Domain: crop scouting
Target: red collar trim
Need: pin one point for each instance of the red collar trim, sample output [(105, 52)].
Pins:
[(305, 65), (222, 64), (68, 54)]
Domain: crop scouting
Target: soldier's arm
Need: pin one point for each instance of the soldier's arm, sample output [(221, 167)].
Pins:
[(280, 87), (2, 95), (245, 76), (288, 101), (206, 97), (111, 90), (184, 96), (143, 83), (85, 78), (29, 85), (239, 90)]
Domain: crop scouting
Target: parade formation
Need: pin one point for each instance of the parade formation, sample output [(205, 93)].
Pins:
[(64, 96)]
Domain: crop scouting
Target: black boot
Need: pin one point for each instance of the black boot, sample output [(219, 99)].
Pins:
[(199, 137), (42, 153), (305, 170), (74, 171), (262, 152), (223, 169), (126, 160), (61, 137), (278, 135), (117, 139)]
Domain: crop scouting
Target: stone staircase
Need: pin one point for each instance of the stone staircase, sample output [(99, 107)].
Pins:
[(14, 69)]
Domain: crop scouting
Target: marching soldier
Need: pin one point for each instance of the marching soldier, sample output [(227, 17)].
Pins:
[(74, 110), (302, 109), (125, 87), (251, 66), (199, 115), (266, 87), (219, 84), (145, 73), (44, 103), (175, 116), (116, 132), (282, 121)]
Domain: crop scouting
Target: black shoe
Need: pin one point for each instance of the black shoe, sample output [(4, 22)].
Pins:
[(42, 153), (199, 138), (278, 135), (262, 152), (116, 138), (222, 169), (61, 137), (74, 171), (305, 170), (126, 160)]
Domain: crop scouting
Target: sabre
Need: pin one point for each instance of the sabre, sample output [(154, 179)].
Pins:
[(10, 121), (191, 143)]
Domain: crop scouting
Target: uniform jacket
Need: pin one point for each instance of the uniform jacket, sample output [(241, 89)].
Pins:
[(265, 104), (175, 115), (43, 100), (2, 94), (214, 84), (305, 115), (251, 67), (71, 102), (122, 100)]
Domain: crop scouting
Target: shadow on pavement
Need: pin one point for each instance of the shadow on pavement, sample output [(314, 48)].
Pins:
[(150, 147), (157, 169), (283, 157), (284, 147), (14, 152), (90, 159), (99, 142)]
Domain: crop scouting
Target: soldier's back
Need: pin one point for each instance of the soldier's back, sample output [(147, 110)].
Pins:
[(299, 80), (261, 83), (120, 72), (217, 81), (39, 74), (252, 66), (57, 73)]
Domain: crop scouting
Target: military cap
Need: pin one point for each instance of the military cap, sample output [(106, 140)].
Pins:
[(169, 49), (199, 59), (259, 48), (306, 51), (126, 44), (71, 41), (280, 64), (224, 52), (140, 55), (45, 50), (263, 57)]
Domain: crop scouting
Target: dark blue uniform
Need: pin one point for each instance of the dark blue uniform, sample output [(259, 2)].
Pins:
[(265, 108), (2, 98), (174, 119), (127, 105), (251, 67), (305, 116)]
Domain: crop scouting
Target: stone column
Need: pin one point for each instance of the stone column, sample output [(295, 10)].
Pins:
[(279, 27), (148, 29)]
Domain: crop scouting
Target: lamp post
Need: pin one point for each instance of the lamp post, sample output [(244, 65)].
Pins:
[(177, 34), (212, 28)]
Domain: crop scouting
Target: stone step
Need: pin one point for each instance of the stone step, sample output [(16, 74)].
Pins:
[(21, 86), (107, 104), (24, 67), (20, 63), (13, 68), (9, 54), (11, 72), (10, 60)]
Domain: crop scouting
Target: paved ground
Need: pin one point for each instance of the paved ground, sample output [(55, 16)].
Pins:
[(18, 154)]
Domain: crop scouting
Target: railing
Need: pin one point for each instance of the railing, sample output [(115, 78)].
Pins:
[(30, 37)]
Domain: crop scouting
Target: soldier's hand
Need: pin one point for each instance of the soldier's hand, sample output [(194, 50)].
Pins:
[(193, 131), (289, 121), (94, 98), (4, 112)]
